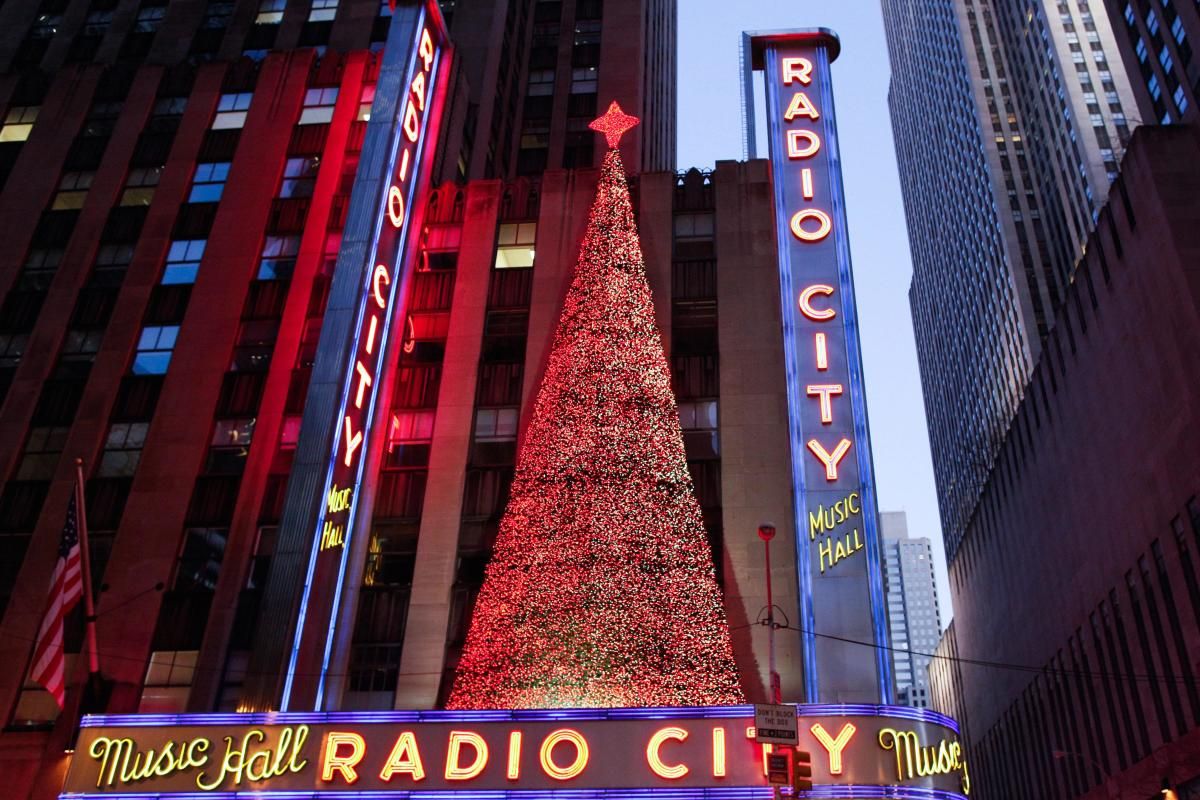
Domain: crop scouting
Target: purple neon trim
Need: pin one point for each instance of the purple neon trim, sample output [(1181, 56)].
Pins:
[(828, 792), (516, 715)]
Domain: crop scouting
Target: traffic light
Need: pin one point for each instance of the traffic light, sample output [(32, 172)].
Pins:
[(802, 771)]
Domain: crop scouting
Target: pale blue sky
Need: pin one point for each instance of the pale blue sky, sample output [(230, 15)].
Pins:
[(710, 129)]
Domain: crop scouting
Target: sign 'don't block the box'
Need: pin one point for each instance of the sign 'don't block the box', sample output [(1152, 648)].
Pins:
[(775, 724)]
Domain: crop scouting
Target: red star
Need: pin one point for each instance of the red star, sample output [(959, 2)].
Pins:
[(613, 124)]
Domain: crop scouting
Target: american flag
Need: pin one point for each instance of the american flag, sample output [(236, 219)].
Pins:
[(66, 589)]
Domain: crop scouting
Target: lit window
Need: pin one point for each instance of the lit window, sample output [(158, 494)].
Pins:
[(168, 676), (149, 19), (515, 245), (45, 26), (365, 101), (231, 111), (299, 176), (122, 449), (323, 10), (183, 261), (209, 182), (18, 123), (584, 80), (230, 446), (270, 12), (409, 427), (496, 424), (72, 190), (279, 258), (701, 416), (1180, 99), (139, 186), (318, 106), (289, 432), (154, 349)]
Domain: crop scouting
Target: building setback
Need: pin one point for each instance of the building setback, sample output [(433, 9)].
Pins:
[(1082, 559), (914, 617), (1035, 101), (174, 185)]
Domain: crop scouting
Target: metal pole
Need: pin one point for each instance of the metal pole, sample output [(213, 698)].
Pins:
[(766, 532), (89, 608)]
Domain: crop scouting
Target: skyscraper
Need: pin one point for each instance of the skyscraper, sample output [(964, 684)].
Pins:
[(914, 617), (1157, 39), (999, 211)]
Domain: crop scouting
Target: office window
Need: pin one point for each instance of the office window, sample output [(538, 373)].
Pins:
[(122, 449), (139, 186), (18, 123), (541, 83), (496, 424), (97, 23), (364, 103), (299, 177), (209, 182), (154, 349), (230, 446), (318, 106), (39, 268), (216, 15), (279, 258), (231, 111), (515, 245), (72, 190), (168, 111), (584, 80), (42, 450), (323, 11), (149, 19), (183, 261), (270, 12), (168, 681)]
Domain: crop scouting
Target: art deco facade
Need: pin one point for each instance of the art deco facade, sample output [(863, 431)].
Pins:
[(1036, 103)]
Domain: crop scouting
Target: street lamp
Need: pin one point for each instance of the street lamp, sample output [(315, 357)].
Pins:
[(766, 532)]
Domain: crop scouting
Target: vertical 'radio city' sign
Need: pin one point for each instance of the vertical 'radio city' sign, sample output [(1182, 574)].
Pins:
[(833, 488), (404, 107)]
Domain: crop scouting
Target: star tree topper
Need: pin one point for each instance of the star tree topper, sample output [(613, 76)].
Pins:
[(613, 124)]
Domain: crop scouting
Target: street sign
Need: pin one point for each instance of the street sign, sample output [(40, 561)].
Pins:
[(775, 724), (779, 772)]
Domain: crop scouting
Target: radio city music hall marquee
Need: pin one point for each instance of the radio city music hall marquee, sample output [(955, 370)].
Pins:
[(611, 751)]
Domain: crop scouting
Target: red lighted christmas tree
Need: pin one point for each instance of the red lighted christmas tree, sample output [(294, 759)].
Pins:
[(601, 590)]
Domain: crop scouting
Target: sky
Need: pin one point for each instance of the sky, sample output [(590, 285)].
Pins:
[(710, 130)]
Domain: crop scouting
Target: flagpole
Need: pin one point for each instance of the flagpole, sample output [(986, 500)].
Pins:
[(89, 607)]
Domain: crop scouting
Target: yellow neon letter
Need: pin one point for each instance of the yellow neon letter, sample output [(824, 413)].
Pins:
[(353, 441), (797, 69), (830, 460), (655, 761), (456, 771), (809, 149), (342, 763), (801, 106), (834, 747), (806, 306), (514, 756), (405, 759), (718, 752), (581, 754), (824, 225)]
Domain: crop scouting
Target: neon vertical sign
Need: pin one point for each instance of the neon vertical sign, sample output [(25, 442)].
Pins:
[(837, 537), (403, 113)]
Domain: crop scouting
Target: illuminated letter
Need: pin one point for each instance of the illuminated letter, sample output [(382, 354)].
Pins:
[(426, 49), (405, 759), (824, 225), (801, 106), (381, 276), (822, 352), (404, 164), (581, 754), (834, 747), (797, 68), (375, 324), (418, 90), (364, 380), (830, 460), (826, 392), (412, 125), (342, 763), (806, 307), (656, 763), (454, 770), (806, 183), (514, 756), (395, 206), (718, 752), (808, 150), (852, 503), (353, 441)]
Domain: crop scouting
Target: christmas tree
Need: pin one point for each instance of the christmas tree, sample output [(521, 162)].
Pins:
[(601, 589)]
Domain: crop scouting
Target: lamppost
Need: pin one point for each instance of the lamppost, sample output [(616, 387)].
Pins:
[(1110, 783), (766, 532)]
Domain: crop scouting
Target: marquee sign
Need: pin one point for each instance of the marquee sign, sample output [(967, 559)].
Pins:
[(326, 491), (857, 751), (838, 548)]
